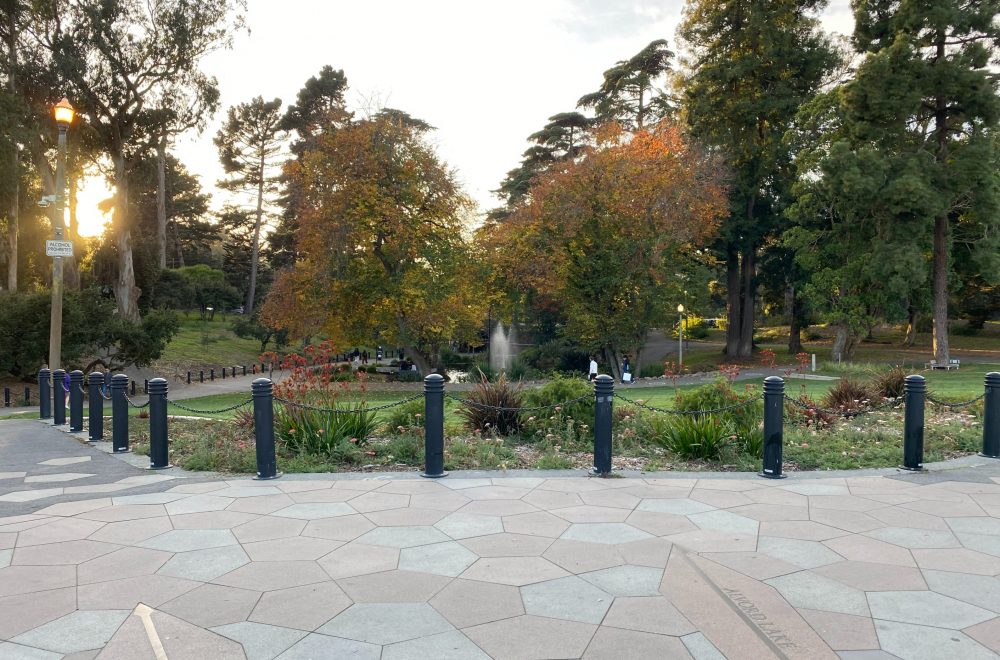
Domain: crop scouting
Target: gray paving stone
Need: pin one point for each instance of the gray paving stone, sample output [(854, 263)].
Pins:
[(402, 537), (866, 655), (976, 590), (11, 651), (569, 598), (322, 647), (449, 558), (183, 540), (975, 525), (610, 533), (386, 623), (627, 580), (680, 506), (907, 537), (79, 631), (700, 648), (198, 504), (925, 608), (315, 510), (805, 589), (212, 605), (205, 565), (444, 646), (725, 521), (261, 641), (914, 642), (5, 556), (804, 554), (985, 543), (467, 525)]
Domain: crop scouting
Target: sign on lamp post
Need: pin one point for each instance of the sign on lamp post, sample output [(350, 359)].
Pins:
[(58, 247)]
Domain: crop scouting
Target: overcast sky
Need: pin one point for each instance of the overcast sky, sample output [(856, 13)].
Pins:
[(486, 74)]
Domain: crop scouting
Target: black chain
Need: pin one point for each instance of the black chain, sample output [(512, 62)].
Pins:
[(105, 392), (692, 413), (346, 411), (847, 414), (959, 404), (486, 406), (210, 412), (131, 403)]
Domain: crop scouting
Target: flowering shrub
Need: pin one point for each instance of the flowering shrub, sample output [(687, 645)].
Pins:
[(768, 358)]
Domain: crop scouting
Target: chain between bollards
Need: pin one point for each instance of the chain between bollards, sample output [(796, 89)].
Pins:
[(95, 424), (604, 394), (915, 391), (76, 401), (991, 416), (119, 413), (59, 397), (774, 413), (263, 428), (434, 427), (44, 394), (159, 458)]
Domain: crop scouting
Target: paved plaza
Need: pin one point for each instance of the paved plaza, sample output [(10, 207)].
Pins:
[(101, 559)]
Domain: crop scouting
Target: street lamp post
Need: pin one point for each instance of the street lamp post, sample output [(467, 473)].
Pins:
[(63, 112), (680, 337)]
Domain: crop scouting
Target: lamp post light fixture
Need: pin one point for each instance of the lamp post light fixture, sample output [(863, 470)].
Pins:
[(64, 113), (680, 338)]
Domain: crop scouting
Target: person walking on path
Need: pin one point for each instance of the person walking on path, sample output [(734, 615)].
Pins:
[(626, 370), (592, 374)]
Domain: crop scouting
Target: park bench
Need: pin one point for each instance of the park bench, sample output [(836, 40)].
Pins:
[(952, 364)]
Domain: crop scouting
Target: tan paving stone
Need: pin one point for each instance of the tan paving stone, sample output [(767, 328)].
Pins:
[(290, 549), (530, 637), (360, 485), (58, 530), (197, 489), (651, 614), (73, 508), (843, 503), (722, 499), (843, 632), (495, 493), (126, 593), (198, 504), (945, 508), (266, 528), (591, 514), (648, 552), (616, 644), (582, 557), (507, 545), (393, 587), (27, 579), (617, 499), (777, 496), (67, 552), (413, 487), (752, 564), (849, 521), (958, 560), (711, 540), (863, 548), (125, 512), (23, 612), (771, 512), (213, 605), (542, 523), (575, 484), (515, 571), (271, 575), (328, 495), (443, 501), (806, 530), (262, 505), (498, 507), (359, 559), (179, 638), (672, 482), (987, 634), (874, 577), (379, 502), (124, 563), (658, 492), (407, 516), (734, 485), (303, 485), (467, 603), (36, 494), (551, 499), (304, 608), (211, 520), (128, 532), (900, 517), (341, 528)]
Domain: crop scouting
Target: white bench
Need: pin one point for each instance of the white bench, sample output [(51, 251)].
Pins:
[(952, 364)]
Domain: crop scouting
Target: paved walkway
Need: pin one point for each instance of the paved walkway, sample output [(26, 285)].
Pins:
[(394, 567)]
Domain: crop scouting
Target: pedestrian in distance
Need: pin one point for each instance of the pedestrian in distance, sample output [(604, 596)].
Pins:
[(592, 373), (626, 370)]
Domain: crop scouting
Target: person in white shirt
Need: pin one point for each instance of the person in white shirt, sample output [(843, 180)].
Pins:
[(593, 369)]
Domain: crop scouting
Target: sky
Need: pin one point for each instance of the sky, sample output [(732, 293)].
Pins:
[(485, 74)]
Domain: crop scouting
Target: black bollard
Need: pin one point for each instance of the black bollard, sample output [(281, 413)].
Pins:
[(96, 410), (59, 398), (76, 401), (915, 389), (189, 378), (119, 413), (158, 451), (244, 370), (604, 393), (145, 386), (211, 374), (223, 373), (774, 417), (44, 394), (254, 369), (133, 388), (263, 428), (27, 396), (991, 416), (434, 427), (6, 397), (201, 376)]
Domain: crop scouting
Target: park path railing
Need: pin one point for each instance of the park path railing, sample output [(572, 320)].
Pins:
[(262, 400)]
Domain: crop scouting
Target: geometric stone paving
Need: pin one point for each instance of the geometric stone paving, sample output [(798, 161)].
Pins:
[(509, 568), (397, 567)]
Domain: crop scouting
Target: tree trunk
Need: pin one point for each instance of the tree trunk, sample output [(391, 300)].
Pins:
[(255, 248), (161, 201), (940, 339), (733, 313), (126, 292), (911, 325), (748, 272), (794, 320), (71, 265), (13, 218), (610, 355), (180, 251)]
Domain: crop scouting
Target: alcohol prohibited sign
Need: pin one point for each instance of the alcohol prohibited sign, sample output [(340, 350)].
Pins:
[(59, 248)]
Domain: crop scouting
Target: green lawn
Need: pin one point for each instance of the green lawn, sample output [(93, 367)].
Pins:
[(201, 344)]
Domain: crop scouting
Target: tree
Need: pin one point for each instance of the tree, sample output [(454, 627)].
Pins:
[(752, 64), (249, 144), (629, 94), (119, 56), (601, 236), (381, 245), (925, 92)]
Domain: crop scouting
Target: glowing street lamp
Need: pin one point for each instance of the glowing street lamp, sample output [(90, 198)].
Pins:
[(63, 113), (680, 338)]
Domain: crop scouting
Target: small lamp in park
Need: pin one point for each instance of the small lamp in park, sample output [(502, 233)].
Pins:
[(64, 114), (680, 337)]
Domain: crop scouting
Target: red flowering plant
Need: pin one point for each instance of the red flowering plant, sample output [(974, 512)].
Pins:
[(673, 371), (768, 358), (318, 413), (730, 371)]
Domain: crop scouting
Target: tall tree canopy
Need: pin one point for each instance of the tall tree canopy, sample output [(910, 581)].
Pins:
[(752, 64), (381, 242)]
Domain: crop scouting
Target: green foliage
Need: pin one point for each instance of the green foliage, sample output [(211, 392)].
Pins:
[(478, 454), (208, 288), (406, 419), (651, 370), (701, 438), (334, 435), (889, 384), (555, 355), (500, 393), (558, 390), (553, 461), (251, 327), (847, 395), (408, 449)]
